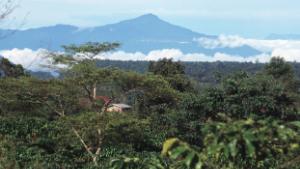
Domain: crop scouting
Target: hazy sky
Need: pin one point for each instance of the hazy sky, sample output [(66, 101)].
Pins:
[(249, 18)]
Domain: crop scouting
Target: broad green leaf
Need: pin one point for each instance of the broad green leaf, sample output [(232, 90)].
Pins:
[(168, 145), (190, 158), (178, 151), (250, 148), (233, 148)]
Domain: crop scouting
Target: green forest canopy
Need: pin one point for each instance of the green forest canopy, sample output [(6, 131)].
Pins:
[(246, 119)]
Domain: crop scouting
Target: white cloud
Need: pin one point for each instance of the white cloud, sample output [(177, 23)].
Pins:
[(288, 49), (121, 55), (233, 41), (289, 54), (34, 60), (29, 59), (178, 55), (166, 53)]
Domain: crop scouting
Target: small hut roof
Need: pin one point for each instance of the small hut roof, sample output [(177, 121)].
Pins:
[(121, 105)]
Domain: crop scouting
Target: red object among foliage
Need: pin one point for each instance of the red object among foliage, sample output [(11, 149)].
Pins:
[(106, 99)]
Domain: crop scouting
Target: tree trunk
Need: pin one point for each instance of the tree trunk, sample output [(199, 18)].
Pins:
[(95, 91), (93, 156)]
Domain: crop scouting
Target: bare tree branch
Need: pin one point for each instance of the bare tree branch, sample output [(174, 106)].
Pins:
[(7, 7)]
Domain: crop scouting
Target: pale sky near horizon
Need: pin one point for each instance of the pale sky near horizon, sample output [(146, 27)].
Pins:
[(248, 18)]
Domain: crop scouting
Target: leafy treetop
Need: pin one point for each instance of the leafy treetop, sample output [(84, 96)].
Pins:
[(166, 67)]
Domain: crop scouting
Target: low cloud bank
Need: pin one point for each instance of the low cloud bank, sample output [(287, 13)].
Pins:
[(290, 50), (233, 41), (176, 54), (29, 59)]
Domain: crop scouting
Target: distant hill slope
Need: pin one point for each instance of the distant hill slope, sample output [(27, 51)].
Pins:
[(143, 34), (283, 36)]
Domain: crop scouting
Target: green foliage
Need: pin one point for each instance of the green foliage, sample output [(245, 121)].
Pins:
[(284, 72), (131, 133), (81, 66), (239, 144), (152, 162), (241, 96), (39, 143), (87, 51), (154, 91), (7, 69), (173, 72), (87, 76), (279, 68), (39, 98), (166, 67), (249, 143), (261, 95), (205, 73), (243, 120), (183, 155), (7, 153), (91, 47)]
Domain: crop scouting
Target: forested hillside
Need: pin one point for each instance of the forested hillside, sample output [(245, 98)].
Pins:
[(204, 72), (247, 119)]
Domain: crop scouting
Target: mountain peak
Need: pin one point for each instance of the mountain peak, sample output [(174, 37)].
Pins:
[(149, 19), (149, 16)]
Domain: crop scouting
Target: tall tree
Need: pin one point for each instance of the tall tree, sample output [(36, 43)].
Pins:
[(278, 68), (81, 62), (173, 72), (283, 71)]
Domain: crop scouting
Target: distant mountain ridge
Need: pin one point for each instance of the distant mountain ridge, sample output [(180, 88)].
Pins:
[(142, 34), (284, 37)]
